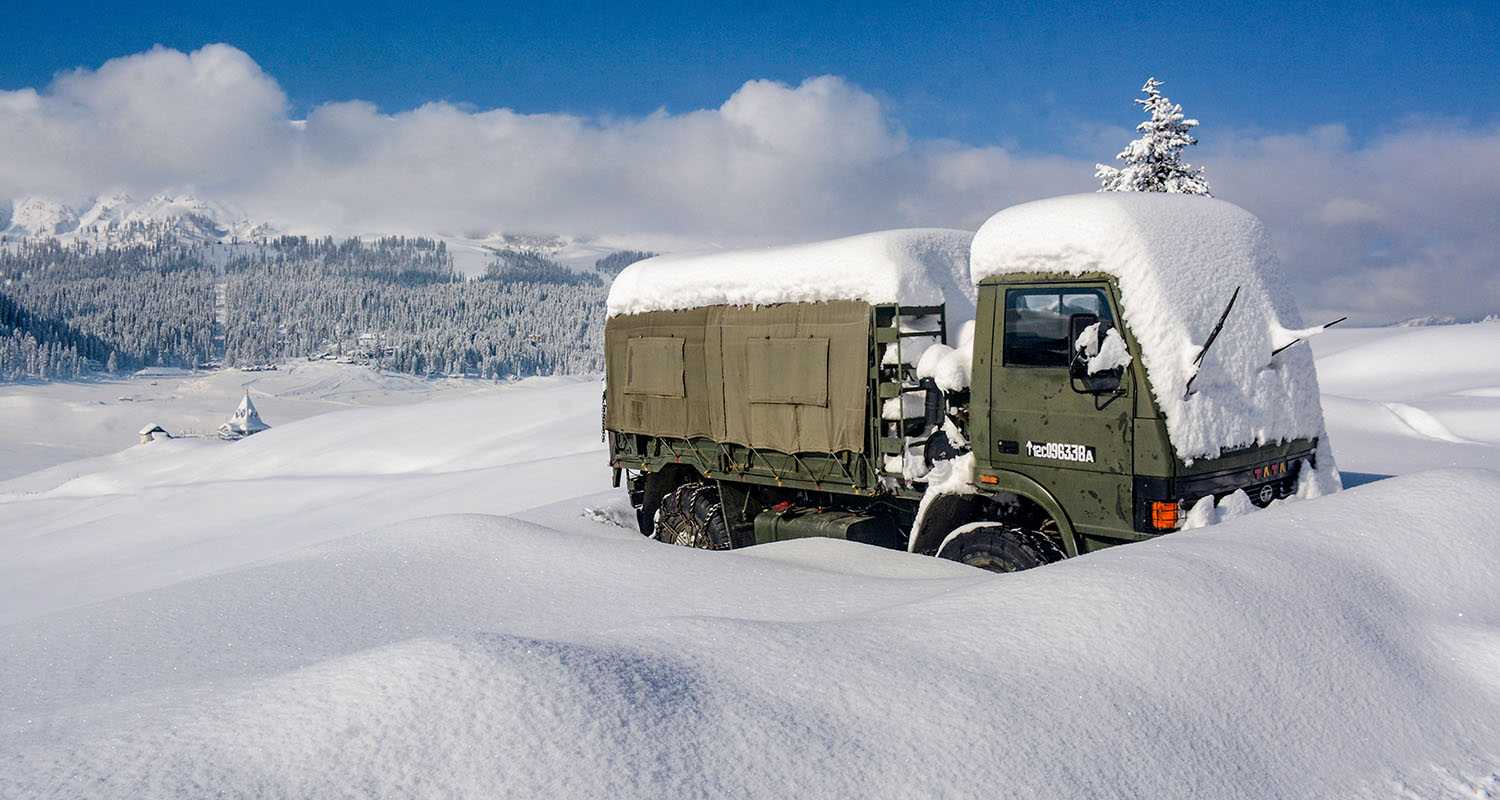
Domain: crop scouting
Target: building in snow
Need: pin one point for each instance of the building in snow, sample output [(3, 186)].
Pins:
[(245, 422), (153, 433)]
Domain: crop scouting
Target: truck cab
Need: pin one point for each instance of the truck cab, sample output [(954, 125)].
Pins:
[(1092, 448)]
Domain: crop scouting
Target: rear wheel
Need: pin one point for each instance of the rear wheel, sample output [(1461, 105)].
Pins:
[(995, 547), (647, 493), (692, 515)]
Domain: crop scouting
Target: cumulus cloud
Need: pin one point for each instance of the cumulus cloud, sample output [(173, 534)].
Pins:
[(211, 118), (1400, 225)]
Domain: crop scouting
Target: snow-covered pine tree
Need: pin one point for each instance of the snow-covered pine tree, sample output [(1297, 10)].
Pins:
[(1153, 162)]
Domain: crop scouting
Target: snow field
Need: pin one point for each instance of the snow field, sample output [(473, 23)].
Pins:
[(1399, 399), (45, 424), (156, 514), (482, 656), (444, 599)]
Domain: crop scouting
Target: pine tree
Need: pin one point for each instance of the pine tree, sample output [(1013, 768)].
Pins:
[(1153, 162)]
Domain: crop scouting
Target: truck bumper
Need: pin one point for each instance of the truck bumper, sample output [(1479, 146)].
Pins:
[(1264, 482)]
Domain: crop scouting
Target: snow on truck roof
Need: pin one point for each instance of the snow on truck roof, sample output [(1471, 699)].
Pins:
[(919, 266), (1178, 259)]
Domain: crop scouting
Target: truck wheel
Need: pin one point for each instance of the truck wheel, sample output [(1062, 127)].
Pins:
[(693, 516), (654, 487), (999, 548)]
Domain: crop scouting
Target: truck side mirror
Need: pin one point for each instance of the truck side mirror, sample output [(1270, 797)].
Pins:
[(1104, 382), (1079, 362)]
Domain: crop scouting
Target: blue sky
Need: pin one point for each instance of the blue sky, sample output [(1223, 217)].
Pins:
[(1025, 75), (1366, 137)]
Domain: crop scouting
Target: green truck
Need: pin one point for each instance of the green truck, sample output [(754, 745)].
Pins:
[(1115, 374)]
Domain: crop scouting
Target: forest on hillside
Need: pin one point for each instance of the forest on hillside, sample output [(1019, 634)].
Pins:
[(394, 302)]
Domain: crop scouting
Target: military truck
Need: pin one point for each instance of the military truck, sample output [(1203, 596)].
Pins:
[(1131, 361)]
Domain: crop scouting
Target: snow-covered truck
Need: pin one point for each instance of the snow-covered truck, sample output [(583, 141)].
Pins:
[(1084, 371)]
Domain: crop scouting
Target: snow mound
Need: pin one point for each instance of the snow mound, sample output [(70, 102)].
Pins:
[(181, 508), (922, 266), (1178, 260), (1320, 649), (1432, 361)]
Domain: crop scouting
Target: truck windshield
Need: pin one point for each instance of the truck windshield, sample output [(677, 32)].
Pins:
[(1036, 323)]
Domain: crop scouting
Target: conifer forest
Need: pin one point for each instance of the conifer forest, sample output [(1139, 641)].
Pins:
[(397, 303)]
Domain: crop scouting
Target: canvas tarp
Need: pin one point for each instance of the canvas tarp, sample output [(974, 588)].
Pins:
[(791, 377)]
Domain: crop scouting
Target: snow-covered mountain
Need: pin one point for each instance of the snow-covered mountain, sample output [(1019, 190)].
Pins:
[(1437, 320), (38, 216), (117, 217)]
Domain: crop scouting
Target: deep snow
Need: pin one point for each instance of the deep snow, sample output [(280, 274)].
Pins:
[(285, 616), (44, 424)]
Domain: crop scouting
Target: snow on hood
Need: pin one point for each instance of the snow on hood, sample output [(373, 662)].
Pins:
[(920, 266), (1178, 259)]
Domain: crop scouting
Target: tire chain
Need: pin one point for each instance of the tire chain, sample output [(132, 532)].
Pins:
[(682, 507), (1038, 541)]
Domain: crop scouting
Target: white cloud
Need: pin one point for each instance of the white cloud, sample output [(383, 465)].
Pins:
[(1400, 225), (1348, 211), (210, 118)]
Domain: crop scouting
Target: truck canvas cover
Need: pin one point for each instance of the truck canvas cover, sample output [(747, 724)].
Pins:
[(768, 348), (790, 377)]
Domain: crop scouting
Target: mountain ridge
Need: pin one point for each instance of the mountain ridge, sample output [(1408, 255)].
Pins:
[(118, 218)]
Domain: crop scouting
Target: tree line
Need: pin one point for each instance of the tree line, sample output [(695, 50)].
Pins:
[(394, 302)]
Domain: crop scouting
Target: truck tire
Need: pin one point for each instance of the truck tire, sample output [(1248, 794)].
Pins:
[(999, 548), (654, 488), (693, 516)]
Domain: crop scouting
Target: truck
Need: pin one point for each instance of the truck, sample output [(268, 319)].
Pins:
[(1083, 372)]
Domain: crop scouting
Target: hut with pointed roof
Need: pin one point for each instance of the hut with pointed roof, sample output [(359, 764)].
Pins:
[(245, 422)]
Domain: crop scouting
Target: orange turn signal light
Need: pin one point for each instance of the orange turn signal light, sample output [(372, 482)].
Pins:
[(1165, 515), (990, 480)]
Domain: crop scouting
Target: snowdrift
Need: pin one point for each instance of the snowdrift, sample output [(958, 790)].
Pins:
[(156, 514), (1325, 648), (283, 617)]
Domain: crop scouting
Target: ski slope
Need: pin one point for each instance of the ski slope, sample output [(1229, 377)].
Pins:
[(442, 598)]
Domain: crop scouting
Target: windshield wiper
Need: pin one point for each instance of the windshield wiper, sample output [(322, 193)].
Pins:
[(1314, 332), (1214, 334)]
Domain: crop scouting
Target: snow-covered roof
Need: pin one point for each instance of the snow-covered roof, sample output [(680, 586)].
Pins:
[(152, 428), (920, 266), (246, 419), (1178, 259)]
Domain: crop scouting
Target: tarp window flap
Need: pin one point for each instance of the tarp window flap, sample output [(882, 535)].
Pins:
[(654, 367), (787, 371)]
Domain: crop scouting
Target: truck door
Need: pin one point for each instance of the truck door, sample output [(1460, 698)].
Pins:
[(1043, 425)]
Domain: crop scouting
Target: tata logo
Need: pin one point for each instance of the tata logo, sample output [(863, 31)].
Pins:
[(1269, 471), (1061, 451)]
